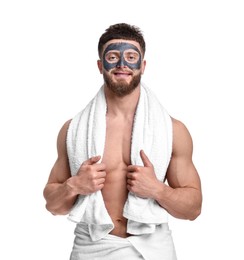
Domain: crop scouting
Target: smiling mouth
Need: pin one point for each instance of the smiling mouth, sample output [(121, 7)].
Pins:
[(122, 73)]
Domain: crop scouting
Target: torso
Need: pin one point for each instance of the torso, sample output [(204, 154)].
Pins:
[(117, 158)]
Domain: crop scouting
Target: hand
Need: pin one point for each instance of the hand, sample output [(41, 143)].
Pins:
[(142, 180), (90, 177)]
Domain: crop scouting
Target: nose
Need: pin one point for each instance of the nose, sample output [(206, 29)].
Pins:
[(121, 63)]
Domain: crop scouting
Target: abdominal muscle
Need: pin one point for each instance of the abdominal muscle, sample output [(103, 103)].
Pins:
[(115, 195), (117, 158)]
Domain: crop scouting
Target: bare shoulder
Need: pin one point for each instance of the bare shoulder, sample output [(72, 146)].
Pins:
[(182, 140), (179, 127), (181, 171), (61, 140), (60, 170)]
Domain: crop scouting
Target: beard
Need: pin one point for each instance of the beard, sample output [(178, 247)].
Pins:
[(122, 88)]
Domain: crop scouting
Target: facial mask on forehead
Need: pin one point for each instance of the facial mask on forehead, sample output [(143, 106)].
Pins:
[(121, 47)]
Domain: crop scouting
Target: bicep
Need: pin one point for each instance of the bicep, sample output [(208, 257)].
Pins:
[(181, 171), (60, 171)]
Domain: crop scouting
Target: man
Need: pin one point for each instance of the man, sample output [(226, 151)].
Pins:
[(117, 193)]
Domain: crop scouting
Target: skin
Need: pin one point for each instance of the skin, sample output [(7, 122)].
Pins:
[(115, 176)]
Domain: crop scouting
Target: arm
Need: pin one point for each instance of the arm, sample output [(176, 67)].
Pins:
[(182, 198), (57, 193), (62, 189)]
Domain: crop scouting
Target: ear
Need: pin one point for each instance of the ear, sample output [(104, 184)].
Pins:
[(143, 66), (100, 66)]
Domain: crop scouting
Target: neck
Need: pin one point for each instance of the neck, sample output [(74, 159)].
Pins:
[(123, 106)]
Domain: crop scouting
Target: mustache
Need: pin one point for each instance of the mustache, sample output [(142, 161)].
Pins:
[(118, 70)]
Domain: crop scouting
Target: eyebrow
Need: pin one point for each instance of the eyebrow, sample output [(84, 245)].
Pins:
[(126, 50), (117, 51), (131, 51)]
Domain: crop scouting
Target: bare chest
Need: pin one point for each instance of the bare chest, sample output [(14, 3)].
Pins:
[(118, 145), (117, 158)]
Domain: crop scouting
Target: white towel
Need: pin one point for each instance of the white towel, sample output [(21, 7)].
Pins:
[(152, 132), (156, 246)]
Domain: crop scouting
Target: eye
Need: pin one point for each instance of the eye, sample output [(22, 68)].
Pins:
[(112, 57), (131, 57)]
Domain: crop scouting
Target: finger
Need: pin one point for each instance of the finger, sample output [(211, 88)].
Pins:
[(145, 160), (130, 182), (100, 167), (101, 175), (92, 160), (100, 181), (133, 168), (129, 175)]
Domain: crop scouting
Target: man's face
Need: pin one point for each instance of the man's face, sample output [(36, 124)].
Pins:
[(122, 66)]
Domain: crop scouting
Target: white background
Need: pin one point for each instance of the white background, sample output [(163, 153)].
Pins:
[(48, 72)]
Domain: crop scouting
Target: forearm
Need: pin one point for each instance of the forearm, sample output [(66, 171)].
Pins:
[(59, 198), (183, 203)]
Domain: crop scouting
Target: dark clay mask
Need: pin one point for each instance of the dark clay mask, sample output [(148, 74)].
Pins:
[(121, 54)]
